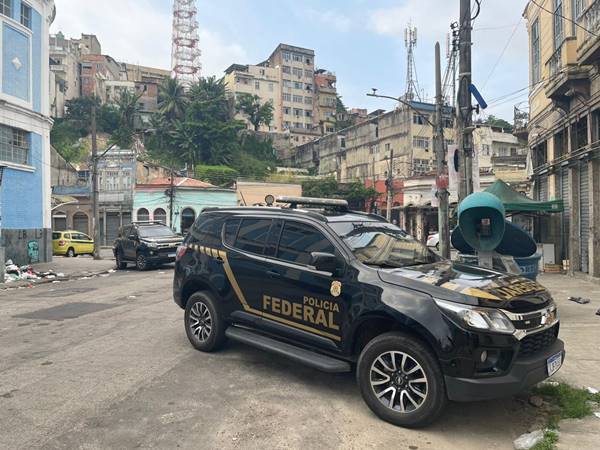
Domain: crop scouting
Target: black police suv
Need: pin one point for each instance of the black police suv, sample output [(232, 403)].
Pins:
[(146, 244), (336, 289)]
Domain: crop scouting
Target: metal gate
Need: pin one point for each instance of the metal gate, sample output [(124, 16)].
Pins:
[(60, 223), (584, 215), (113, 222), (543, 188), (80, 223), (565, 219)]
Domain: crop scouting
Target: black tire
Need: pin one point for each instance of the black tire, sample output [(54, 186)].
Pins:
[(141, 263), (71, 253), (202, 337), (437, 246), (419, 411), (121, 264)]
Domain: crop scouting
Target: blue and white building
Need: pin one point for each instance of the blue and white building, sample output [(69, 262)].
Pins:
[(25, 130)]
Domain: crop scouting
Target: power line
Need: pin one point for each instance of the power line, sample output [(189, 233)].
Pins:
[(502, 53), (574, 22)]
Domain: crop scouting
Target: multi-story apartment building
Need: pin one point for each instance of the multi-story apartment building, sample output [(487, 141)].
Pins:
[(288, 79), (25, 131), (500, 152), (298, 104), (95, 70), (326, 100), (564, 125), (64, 68), (363, 151), (260, 80)]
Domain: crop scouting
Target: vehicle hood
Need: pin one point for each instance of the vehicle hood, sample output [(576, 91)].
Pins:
[(464, 283)]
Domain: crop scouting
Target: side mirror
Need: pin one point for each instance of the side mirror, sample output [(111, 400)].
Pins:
[(325, 262)]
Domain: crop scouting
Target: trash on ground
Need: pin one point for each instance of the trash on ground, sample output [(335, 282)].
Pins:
[(131, 296), (591, 390), (598, 312), (597, 414), (528, 440), (111, 271), (580, 300), (14, 273)]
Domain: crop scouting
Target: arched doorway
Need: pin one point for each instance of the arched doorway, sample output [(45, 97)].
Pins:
[(188, 215), (81, 222), (143, 215), (160, 215)]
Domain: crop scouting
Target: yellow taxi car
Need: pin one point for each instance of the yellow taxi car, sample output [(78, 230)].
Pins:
[(71, 243)]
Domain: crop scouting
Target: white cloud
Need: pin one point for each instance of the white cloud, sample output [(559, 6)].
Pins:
[(136, 31)]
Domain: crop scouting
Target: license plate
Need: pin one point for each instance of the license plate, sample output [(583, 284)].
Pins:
[(171, 255), (553, 363)]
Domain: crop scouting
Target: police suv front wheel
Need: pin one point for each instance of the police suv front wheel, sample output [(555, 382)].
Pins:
[(204, 325), (401, 381)]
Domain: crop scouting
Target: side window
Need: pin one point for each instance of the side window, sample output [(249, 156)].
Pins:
[(67, 235), (207, 230), (273, 239), (252, 235), (231, 229), (77, 236), (298, 241)]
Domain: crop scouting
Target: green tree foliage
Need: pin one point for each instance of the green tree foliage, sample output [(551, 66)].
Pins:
[(171, 99), (354, 192), (128, 108), (204, 130), (342, 118), (494, 121), (218, 175), (65, 138), (257, 114)]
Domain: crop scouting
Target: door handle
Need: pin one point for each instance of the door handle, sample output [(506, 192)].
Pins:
[(273, 274), (219, 260)]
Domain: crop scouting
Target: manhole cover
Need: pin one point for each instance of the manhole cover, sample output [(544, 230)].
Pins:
[(67, 311), (62, 292)]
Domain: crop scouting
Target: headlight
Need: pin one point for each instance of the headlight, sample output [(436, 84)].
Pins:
[(477, 317), (151, 244)]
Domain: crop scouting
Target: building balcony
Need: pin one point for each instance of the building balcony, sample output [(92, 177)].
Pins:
[(588, 51), (511, 160), (565, 76)]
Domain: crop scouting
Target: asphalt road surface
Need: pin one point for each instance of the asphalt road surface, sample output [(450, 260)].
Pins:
[(105, 363)]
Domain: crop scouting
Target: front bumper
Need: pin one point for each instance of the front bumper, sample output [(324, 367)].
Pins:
[(525, 372)]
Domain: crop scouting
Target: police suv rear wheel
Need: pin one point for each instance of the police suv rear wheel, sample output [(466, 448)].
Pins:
[(204, 324), (401, 381)]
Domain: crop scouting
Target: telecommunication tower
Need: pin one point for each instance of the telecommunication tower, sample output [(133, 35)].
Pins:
[(412, 84), (185, 51)]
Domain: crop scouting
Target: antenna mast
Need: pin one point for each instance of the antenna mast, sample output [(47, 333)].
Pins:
[(185, 51), (410, 42)]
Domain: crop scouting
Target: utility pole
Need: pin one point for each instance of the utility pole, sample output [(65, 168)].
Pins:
[(465, 112), (171, 199), (441, 180), (95, 191), (390, 186)]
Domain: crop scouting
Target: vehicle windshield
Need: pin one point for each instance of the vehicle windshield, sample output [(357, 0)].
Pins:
[(155, 231), (383, 244)]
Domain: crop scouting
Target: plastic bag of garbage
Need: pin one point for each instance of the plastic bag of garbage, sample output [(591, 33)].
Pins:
[(528, 440)]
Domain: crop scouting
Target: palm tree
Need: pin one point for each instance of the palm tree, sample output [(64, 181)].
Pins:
[(172, 99)]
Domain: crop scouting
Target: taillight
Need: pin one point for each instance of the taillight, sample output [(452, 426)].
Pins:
[(61, 243), (180, 252)]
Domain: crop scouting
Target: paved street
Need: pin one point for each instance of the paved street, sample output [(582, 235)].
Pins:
[(105, 363)]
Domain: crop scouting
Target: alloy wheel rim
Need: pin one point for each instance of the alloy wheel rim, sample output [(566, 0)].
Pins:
[(398, 382), (200, 321), (141, 262)]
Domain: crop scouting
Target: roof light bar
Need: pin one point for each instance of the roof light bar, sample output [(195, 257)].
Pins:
[(311, 201)]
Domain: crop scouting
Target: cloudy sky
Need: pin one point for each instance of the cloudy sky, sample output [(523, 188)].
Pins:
[(362, 41)]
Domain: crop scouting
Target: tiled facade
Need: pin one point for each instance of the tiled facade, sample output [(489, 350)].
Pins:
[(25, 132)]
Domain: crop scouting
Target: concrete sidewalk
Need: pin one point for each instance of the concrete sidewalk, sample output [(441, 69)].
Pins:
[(68, 268), (580, 330)]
